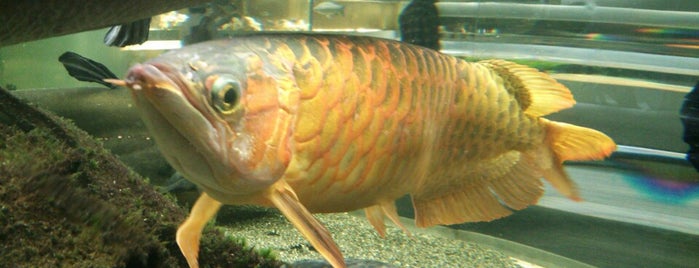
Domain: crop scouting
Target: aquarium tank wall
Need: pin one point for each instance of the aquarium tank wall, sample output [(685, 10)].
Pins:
[(631, 66)]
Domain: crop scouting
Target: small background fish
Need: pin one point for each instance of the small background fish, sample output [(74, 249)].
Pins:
[(329, 9)]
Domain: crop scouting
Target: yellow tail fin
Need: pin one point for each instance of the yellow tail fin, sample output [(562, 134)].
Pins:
[(570, 142)]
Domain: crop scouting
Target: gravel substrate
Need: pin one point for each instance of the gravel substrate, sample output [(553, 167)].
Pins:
[(358, 240)]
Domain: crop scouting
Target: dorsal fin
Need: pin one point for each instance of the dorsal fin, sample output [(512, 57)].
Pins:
[(537, 92)]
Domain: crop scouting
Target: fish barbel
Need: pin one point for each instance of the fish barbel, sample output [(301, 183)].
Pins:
[(323, 123)]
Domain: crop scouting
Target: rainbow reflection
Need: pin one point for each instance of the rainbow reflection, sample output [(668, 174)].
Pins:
[(605, 37), (662, 190), (668, 31), (598, 36), (683, 46)]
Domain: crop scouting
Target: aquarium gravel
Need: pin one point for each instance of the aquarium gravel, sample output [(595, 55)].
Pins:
[(358, 240)]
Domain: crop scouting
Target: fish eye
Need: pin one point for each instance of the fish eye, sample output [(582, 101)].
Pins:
[(225, 94)]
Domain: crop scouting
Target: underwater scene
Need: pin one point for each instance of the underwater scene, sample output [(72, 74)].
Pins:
[(385, 133)]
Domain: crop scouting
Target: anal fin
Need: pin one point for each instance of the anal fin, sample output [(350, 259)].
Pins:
[(284, 198), (498, 186)]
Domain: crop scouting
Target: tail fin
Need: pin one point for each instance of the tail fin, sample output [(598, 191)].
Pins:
[(570, 142)]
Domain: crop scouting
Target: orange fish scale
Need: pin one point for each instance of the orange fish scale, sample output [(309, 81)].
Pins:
[(334, 154), (311, 124), (383, 102), (392, 98), (333, 94), (323, 55), (331, 130), (348, 111), (312, 170), (350, 160), (309, 76), (363, 115)]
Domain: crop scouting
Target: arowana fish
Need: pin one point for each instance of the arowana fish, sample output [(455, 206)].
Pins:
[(323, 123)]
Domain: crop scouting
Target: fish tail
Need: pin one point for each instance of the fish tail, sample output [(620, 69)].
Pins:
[(570, 142), (541, 95)]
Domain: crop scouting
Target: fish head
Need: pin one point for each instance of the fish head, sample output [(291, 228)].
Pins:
[(216, 116)]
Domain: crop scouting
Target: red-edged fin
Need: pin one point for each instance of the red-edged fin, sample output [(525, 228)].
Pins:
[(284, 198), (537, 92)]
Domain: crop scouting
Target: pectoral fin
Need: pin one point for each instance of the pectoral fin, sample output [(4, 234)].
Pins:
[(284, 198), (189, 233)]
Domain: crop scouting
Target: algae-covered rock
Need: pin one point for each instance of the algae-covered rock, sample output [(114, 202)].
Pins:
[(65, 201)]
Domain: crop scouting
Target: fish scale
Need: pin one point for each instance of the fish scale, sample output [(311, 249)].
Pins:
[(323, 123), (408, 100), (415, 104)]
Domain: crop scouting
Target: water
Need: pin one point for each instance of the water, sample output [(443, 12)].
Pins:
[(629, 65)]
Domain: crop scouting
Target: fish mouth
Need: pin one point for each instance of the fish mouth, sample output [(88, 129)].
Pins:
[(153, 76), (159, 82)]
